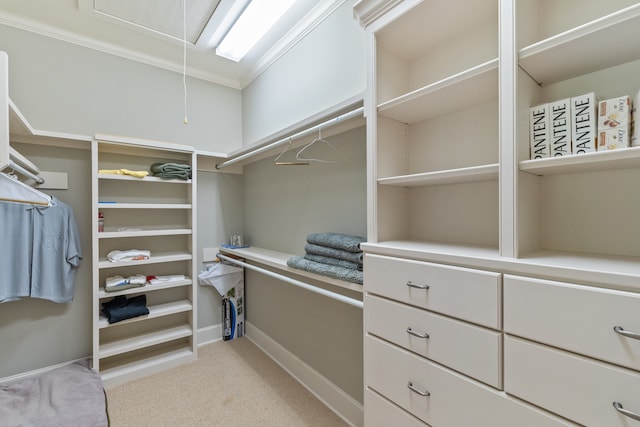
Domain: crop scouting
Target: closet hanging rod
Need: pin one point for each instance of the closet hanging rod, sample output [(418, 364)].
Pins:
[(333, 295), (351, 114), (16, 167)]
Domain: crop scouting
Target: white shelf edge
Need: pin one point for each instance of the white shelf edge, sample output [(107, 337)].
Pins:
[(144, 289), (622, 158), (148, 178), (19, 125), (278, 260), (155, 311), (140, 142), (452, 176), (469, 76), (145, 340), (154, 259), (118, 205), (534, 53), (144, 233)]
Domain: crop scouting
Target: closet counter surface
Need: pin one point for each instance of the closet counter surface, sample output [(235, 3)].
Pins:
[(278, 260)]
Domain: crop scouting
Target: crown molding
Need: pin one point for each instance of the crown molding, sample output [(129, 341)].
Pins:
[(367, 11)]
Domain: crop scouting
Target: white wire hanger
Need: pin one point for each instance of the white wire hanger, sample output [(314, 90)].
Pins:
[(278, 161), (319, 141), (16, 191)]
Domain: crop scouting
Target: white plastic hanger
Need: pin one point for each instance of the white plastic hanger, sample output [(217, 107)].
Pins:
[(279, 162), (13, 190), (319, 140)]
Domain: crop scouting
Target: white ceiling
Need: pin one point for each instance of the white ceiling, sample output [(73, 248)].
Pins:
[(151, 31)]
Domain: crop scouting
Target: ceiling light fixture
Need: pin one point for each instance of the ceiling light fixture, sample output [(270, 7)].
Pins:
[(257, 18)]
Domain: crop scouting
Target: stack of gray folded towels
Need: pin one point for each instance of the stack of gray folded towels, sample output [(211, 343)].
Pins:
[(171, 170), (334, 255)]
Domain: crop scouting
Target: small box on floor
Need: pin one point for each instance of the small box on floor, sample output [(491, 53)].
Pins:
[(233, 313)]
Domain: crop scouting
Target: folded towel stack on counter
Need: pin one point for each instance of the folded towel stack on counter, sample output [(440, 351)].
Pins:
[(171, 170), (120, 308), (334, 255)]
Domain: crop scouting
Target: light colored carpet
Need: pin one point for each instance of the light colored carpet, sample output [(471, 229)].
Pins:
[(233, 383)]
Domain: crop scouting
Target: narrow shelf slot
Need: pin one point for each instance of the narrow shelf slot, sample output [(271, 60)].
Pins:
[(145, 340), (154, 259), (573, 53), (154, 311), (453, 176), (146, 288), (116, 205), (144, 233), (155, 179)]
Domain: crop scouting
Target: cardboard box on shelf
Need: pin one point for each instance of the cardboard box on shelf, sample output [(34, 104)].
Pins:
[(584, 122), (233, 313), (610, 139), (614, 113), (539, 131), (560, 129)]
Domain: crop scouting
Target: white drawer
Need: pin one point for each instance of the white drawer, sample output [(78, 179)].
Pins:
[(573, 317), (467, 294), (572, 386), (454, 399), (379, 412), (470, 349)]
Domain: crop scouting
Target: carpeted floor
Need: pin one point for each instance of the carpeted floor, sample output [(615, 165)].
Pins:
[(232, 383)]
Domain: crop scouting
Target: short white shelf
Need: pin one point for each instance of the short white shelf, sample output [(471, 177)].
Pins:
[(154, 311), (622, 158), (154, 259), (137, 342), (594, 46), (117, 177), (117, 205), (451, 176), (466, 89), (143, 233), (146, 288)]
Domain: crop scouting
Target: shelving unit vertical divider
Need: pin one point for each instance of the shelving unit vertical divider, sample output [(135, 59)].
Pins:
[(143, 213)]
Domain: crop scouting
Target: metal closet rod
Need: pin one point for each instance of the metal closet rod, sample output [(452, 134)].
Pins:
[(345, 116), (333, 295), (23, 171)]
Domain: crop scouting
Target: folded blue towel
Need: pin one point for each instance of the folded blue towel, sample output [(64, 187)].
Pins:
[(344, 242), (340, 273), (333, 253), (334, 261)]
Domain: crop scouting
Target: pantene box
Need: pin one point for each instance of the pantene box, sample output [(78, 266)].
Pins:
[(614, 113), (560, 128), (584, 122), (539, 132), (610, 139)]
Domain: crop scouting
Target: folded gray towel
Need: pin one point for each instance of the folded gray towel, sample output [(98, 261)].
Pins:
[(333, 253), (171, 170), (345, 242), (340, 273), (333, 261)]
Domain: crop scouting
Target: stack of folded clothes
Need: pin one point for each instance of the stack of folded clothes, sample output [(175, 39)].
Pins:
[(334, 255), (171, 170), (120, 308)]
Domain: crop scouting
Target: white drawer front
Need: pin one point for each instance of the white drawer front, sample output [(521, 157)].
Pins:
[(470, 349), (577, 318), (572, 386), (467, 294), (454, 400), (379, 412)]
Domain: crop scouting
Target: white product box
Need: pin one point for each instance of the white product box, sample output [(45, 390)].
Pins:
[(584, 121), (560, 128), (614, 112), (233, 313), (635, 132), (610, 139), (539, 132)]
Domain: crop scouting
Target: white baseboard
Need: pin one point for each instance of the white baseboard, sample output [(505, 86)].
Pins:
[(209, 334), (345, 406), (38, 372)]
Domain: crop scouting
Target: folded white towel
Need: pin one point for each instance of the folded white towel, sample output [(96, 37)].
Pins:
[(128, 255), (117, 283), (167, 279)]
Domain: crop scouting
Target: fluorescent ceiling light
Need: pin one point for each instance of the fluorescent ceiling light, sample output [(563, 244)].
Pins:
[(258, 17)]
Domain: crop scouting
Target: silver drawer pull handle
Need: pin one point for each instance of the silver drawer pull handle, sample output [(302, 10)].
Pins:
[(627, 334), (415, 334), (414, 285), (415, 390), (625, 412)]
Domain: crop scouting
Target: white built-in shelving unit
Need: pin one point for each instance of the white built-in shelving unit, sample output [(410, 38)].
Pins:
[(152, 214)]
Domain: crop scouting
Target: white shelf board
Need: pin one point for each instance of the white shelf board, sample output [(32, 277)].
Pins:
[(145, 340), (622, 158), (154, 311), (117, 205), (146, 288), (107, 176), (452, 176), (278, 260), (463, 90), (144, 233), (602, 43), (154, 259)]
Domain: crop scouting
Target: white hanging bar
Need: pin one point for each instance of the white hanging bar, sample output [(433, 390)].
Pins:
[(333, 295), (16, 167), (351, 114)]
